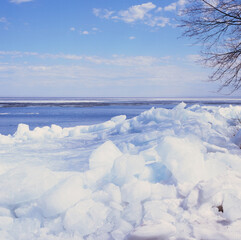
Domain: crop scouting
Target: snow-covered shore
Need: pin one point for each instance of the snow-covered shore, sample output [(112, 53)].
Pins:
[(165, 174)]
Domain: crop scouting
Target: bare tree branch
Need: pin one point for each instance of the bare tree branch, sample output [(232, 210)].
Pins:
[(217, 25)]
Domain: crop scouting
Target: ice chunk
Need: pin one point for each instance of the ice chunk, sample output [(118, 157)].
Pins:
[(6, 222), (95, 178), (214, 148), (136, 191), (119, 119), (231, 207), (86, 217), (57, 131), (104, 156), (180, 106), (25, 183), (192, 199), (5, 212), (133, 213), (127, 166), (161, 191), (237, 138), (114, 192), (5, 235), (157, 172), (6, 139), (123, 229), (151, 231), (25, 228), (63, 196), (155, 211), (22, 132), (28, 211), (184, 158)]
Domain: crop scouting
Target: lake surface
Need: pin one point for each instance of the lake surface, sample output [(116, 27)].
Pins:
[(70, 112)]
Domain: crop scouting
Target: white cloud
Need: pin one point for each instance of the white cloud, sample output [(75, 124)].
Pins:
[(61, 56), (20, 1), (97, 12), (158, 21), (137, 12), (85, 72), (193, 58), (3, 20), (127, 61), (132, 37), (136, 75), (171, 7), (182, 2), (139, 80), (84, 32), (146, 13), (115, 60), (16, 54), (102, 13), (159, 9)]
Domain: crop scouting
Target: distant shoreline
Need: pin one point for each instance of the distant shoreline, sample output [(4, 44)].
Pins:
[(92, 102)]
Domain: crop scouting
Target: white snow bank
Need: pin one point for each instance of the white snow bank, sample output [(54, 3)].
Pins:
[(165, 174)]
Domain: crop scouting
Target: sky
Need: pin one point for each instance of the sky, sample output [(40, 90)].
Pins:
[(98, 48)]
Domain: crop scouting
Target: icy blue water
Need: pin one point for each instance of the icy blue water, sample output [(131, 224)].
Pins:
[(62, 116), (70, 112)]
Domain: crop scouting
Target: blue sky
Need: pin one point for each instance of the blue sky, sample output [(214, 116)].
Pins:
[(96, 48)]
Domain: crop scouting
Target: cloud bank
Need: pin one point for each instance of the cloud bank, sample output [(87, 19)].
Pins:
[(148, 75), (20, 1), (146, 13)]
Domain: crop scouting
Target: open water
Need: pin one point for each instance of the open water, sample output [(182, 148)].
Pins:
[(70, 112)]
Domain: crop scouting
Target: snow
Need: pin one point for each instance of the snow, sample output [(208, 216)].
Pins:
[(165, 174)]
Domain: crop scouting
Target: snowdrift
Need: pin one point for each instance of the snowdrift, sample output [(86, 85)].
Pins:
[(165, 174)]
